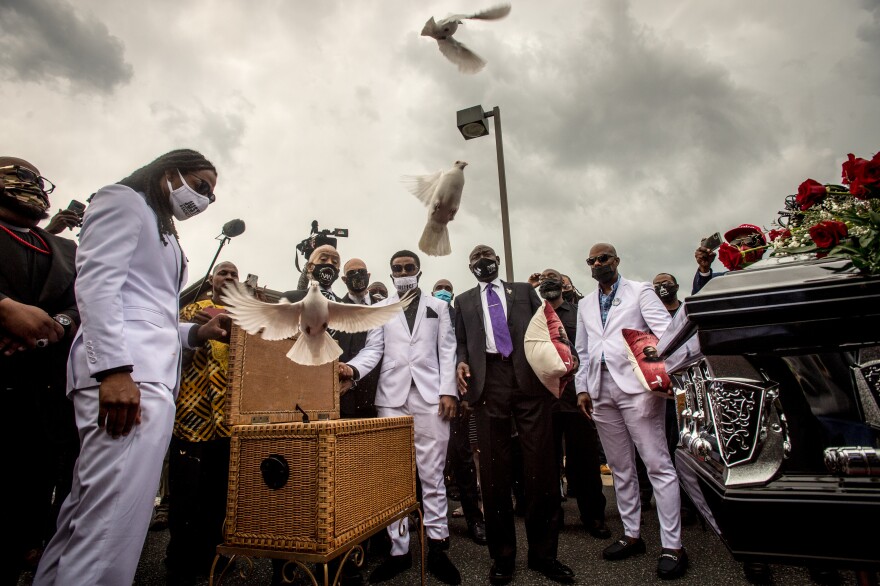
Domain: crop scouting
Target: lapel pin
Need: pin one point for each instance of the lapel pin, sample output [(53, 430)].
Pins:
[(616, 301), (509, 291)]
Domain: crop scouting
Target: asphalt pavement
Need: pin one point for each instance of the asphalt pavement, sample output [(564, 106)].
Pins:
[(710, 562)]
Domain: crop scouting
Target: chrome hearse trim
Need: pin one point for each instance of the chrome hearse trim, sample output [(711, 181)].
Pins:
[(853, 461), (734, 427)]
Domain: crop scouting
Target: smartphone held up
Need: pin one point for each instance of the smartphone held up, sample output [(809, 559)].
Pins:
[(712, 242)]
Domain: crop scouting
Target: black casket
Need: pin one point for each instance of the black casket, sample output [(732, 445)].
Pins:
[(776, 371)]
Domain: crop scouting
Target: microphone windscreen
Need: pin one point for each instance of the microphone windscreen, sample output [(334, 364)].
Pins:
[(233, 228)]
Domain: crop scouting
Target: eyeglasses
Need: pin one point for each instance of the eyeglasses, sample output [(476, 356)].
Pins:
[(750, 240), (356, 273), (204, 188), (26, 175), (602, 258), (444, 287), (409, 267), (666, 284)]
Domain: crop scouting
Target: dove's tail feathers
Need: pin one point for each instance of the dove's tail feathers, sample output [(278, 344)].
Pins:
[(314, 350), (435, 240), (466, 60), (493, 13)]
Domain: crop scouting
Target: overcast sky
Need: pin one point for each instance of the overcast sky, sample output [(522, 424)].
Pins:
[(645, 124)]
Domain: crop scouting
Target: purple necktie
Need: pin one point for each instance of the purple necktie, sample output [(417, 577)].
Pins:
[(499, 322)]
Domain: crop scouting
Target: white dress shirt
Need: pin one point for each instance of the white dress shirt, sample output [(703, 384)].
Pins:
[(365, 300)]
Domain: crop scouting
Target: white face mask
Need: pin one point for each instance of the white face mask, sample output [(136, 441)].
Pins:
[(404, 284), (186, 202)]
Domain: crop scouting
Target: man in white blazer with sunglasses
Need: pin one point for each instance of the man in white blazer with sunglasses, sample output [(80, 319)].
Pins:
[(627, 417), (417, 378)]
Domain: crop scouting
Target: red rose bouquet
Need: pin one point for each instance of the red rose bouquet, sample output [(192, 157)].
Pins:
[(863, 177), (833, 220)]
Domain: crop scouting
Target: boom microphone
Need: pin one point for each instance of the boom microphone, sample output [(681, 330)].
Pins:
[(233, 228)]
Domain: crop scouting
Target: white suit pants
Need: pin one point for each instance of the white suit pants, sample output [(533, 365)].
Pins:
[(431, 434), (104, 521), (625, 421)]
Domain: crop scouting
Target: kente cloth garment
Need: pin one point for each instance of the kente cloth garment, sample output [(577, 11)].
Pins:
[(201, 400)]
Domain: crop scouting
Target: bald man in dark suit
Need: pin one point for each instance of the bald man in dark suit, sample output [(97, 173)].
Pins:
[(497, 381)]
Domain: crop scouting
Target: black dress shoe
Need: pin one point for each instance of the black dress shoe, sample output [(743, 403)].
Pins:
[(623, 548), (501, 572), (439, 564), (553, 570), (391, 567), (477, 531), (597, 529), (672, 563)]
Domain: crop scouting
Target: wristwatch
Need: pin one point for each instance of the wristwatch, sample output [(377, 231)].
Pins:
[(64, 320)]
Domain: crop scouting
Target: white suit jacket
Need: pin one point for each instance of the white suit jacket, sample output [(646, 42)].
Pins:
[(426, 357), (127, 289), (637, 308)]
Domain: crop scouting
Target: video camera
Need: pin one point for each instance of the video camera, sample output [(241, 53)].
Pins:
[(318, 238)]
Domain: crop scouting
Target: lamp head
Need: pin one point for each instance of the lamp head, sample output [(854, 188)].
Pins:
[(471, 122)]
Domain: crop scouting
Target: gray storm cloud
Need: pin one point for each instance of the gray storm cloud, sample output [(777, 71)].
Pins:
[(47, 40)]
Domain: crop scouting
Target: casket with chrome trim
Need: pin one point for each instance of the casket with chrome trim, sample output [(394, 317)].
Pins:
[(776, 371)]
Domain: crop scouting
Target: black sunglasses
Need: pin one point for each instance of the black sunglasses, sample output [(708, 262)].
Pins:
[(409, 267), (356, 273), (28, 176), (204, 188), (602, 258)]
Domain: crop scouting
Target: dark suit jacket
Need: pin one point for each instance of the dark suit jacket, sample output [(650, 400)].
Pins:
[(56, 296), (522, 303), (360, 400)]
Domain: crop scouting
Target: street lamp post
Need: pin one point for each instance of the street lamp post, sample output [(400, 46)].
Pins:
[(472, 124)]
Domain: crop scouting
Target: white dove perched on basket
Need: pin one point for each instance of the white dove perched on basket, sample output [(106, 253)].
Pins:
[(441, 193), (466, 60), (309, 318)]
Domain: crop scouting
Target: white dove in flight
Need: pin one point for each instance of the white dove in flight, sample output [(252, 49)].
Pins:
[(309, 317), (466, 60), (441, 192)]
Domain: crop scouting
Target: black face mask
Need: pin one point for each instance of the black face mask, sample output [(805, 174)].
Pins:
[(357, 282), (568, 296), (666, 293), (325, 275), (485, 269), (603, 273), (550, 290)]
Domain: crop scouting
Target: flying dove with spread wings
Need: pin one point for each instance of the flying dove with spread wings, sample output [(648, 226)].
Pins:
[(441, 193), (466, 60), (308, 319)]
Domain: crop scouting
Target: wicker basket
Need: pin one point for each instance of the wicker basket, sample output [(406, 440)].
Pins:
[(346, 478), (265, 386)]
